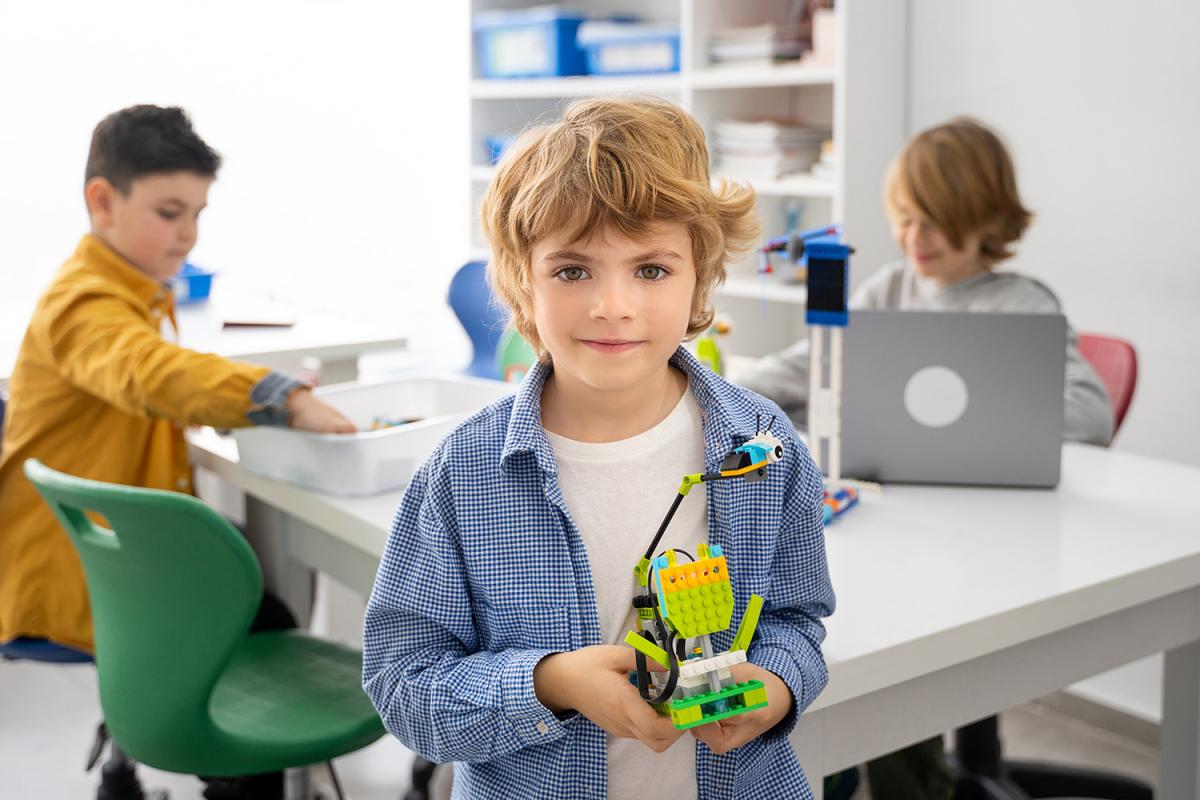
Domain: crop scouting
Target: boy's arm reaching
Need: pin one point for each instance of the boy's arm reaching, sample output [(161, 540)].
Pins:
[(103, 346), (435, 689)]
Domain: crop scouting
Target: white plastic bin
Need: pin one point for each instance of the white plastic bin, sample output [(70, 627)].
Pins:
[(369, 462)]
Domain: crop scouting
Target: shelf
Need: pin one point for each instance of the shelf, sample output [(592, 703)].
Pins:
[(770, 289), (728, 77), (744, 77), (482, 173), (577, 86), (791, 186)]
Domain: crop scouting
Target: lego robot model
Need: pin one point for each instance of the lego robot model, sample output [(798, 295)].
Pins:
[(686, 601)]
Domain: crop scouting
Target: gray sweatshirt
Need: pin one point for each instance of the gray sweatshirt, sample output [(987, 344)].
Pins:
[(1087, 411)]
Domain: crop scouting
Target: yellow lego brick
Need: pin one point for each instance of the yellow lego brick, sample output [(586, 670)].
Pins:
[(704, 572), (686, 716), (755, 696)]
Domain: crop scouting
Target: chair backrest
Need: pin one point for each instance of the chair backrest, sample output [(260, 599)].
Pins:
[(471, 298), (173, 589), (1115, 361)]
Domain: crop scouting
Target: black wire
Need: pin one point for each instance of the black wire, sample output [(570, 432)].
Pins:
[(677, 550), (666, 638)]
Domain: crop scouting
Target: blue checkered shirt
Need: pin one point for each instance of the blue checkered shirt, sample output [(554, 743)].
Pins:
[(485, 574)]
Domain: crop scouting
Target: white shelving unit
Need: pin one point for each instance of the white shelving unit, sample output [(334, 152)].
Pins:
[(862, 96)]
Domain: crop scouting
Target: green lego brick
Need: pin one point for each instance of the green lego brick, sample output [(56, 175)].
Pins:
[(689, 712), (647, 648), (700, 610), (745, 631)]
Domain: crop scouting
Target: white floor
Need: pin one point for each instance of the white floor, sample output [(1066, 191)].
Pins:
[(48, 715)]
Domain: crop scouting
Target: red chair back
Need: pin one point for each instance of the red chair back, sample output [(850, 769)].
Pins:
[(1115, 361)]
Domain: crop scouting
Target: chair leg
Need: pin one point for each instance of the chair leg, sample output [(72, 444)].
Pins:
[(1053, 780), (422, 774), (119, 781), (337, 784), (296, 783)]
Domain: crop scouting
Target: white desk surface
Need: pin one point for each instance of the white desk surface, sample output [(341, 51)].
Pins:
[(324, 335), (953, 603), (925, 576)]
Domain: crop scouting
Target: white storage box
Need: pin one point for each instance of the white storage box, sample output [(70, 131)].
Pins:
[(371, 461)]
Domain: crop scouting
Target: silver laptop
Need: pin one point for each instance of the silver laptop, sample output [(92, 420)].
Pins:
[(956, 398)]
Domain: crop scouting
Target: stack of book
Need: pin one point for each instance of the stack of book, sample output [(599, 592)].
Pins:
[(759, 44), (826, 166), (765, 148)]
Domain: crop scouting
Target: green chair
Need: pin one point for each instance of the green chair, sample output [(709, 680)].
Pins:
[(183, 685)]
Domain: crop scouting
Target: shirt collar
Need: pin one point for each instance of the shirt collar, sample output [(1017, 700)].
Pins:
[(93, 250), (730, 416)]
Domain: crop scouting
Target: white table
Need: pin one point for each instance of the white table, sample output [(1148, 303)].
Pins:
[(953, 603), (337, 340)]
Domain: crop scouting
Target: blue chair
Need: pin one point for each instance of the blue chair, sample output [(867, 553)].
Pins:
[(482, 318)]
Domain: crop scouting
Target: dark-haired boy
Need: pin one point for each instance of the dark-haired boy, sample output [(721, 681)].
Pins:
[(98, 389)]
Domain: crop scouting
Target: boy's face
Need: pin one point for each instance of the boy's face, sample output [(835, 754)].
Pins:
[(154, 225), (611, 310), (929, 251)]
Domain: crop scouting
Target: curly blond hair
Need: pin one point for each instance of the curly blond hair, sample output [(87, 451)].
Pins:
[(628, 163)]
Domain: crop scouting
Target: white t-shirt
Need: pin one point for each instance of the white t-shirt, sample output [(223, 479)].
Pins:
[(618, 494)]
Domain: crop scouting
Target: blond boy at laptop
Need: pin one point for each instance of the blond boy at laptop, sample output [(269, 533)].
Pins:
[(951, 197)]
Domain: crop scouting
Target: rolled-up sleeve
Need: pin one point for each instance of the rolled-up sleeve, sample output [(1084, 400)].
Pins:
[(790, 632)]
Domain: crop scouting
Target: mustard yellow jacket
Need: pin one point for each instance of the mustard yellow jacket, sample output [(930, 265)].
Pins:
[(99, 393)]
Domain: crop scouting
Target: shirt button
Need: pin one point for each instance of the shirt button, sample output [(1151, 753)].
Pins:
[(542, 727), (182, 483)]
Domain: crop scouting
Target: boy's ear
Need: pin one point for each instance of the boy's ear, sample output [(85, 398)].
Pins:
[(100, 194)]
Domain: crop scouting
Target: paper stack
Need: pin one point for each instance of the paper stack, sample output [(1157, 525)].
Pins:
[(826, 166), (759, 43), (765, 148)]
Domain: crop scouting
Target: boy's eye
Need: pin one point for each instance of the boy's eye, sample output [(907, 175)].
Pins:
[(168, 215), (571, 274), (652, 272)]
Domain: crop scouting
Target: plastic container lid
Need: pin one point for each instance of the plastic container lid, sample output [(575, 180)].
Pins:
[(486, 20)]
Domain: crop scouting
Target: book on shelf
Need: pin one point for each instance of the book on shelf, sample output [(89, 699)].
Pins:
[(826, 165), (765, 147), (769, 42)]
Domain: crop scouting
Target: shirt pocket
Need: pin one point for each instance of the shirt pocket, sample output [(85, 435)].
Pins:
[(528, 626)]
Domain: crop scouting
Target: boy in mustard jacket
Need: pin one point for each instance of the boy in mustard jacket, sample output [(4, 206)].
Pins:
[(99, 390)]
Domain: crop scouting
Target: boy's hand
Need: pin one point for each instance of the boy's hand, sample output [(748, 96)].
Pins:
[(595, 682), (307, 412), (731, 732)]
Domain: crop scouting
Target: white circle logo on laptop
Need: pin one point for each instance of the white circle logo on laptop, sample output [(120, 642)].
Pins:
[(936, 396)]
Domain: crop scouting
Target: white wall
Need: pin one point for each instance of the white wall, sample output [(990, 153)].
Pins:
[(1099, 102), (342, 126)]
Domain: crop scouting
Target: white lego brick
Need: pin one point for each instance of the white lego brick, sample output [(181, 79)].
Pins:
[(703, 666)]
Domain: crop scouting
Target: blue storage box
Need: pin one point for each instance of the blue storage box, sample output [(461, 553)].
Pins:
[(192, 284), (528, 43), (619, 48)]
